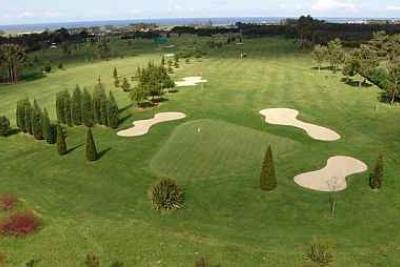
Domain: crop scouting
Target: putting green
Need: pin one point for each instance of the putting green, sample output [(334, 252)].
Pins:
[(211, 149)]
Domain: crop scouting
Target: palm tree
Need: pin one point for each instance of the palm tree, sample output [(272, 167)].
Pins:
[(12, 55)]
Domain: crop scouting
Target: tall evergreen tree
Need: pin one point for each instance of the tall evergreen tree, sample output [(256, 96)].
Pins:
[(28, 118), (60, 107), (20, 113), (125, 85), (115, 73), (68, 108), (37, 129), (376, 177), (52, 134), (77, 106), (112, 112), (61, 144), (91, 151), (267, 177), (45, 123), (99, 104), (87, 109)]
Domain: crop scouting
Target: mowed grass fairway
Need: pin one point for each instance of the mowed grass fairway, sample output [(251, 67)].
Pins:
[(103, 207)]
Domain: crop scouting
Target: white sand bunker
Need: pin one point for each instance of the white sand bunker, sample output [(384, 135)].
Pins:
[(169, 55), (333, 176), (190, 81), (288, 117), (142, 127)]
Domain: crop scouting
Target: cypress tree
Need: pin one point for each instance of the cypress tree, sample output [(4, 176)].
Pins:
[(52, 134), (267, 177), (37, 129), (87, 109), (115, 73), (376, 177), (45, 122), (67, 108), (60, 107), (61, 144), (77, 106), (99, 104), (112, 112), (20, 114), (125, 85), (28, 118), (91, 152)]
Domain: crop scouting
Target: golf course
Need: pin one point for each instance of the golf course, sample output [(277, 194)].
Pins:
[(207, 135)]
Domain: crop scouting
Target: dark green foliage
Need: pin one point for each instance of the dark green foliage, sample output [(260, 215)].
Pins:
[(52, 134), (125, 85), (112, 112), (28, 118), (92, 260), (68, 108), (20, 113), (319, 254), (376, 178), (87, 109), (115, 73), (60, 107), (61, 144), (77, 106), (4, 126), (100, 104), (47, 68), (267, 177), (167, 195), (91, 151), (36, 118), (45, 123)]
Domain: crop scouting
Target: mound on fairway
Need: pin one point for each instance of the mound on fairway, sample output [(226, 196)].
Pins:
[(142, 127), (190, 81), (288, 117), (333, 176), (210, 149)]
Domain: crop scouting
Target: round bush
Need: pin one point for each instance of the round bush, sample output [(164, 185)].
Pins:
[(167, 195), (19, 224), (4, 126)]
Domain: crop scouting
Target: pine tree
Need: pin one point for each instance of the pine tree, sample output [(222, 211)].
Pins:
[(115, 74), (45, 123), (87, 109), (37, 121), (163, 60), (91, 152), (77, 106), (68, 108), (20, 113), (61, 144), (125, 85), (60, 107), (99, 97), (267, 177), (28, 118), (376, 177), (112, 112), (52, 134)]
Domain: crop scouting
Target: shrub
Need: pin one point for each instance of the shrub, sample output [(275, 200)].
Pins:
[(20, 224), (61, 66), (91, 151), (167, 195), (47, 68), (61, 144), (8, 201), (267, 177), (92, 260), (375, 180), (4, 126), (320, 254)]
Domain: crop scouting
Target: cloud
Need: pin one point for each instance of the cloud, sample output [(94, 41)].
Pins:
[(329, 5), (393, 8)]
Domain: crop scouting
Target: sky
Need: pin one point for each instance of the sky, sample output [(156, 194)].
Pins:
[(41, 11)]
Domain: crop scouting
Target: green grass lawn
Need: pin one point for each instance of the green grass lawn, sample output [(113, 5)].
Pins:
[(103, 207)]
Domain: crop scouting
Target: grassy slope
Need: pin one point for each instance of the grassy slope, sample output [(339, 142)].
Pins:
[(103, 207)]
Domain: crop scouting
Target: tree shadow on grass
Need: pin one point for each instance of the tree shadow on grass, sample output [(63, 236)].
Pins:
[(103, 152), (74, 148), (157, 100), (124, 119), (33, 76), (354, 83), (126, 108), (12, 132)]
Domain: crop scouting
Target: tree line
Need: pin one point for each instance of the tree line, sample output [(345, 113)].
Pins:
[(151, 82), (88, 109), (376, 61)]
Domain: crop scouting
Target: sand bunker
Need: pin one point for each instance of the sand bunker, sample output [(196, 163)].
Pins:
[(142, 127), (190, 81), (288, 117), (333, 176), (169, 55)]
